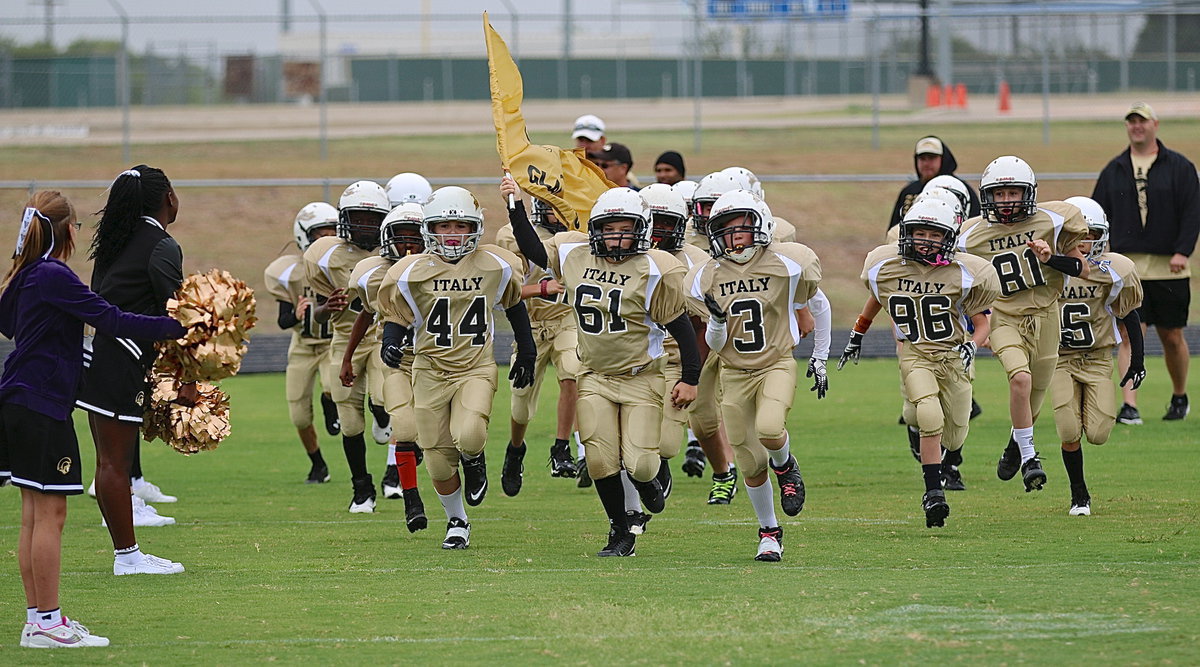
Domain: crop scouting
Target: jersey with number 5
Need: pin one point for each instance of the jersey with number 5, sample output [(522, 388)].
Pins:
[(930, 305), (1090, 307), (1026, 285), (760, 299), (618, 305), (451, 307)]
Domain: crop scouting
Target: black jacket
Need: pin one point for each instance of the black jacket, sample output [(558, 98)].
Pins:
[(910, 191), (1172, 205)]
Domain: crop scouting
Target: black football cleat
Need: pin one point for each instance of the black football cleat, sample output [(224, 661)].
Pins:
[(584, 479), (513, 470), (458, 534), (976, 409), (694, 460), (391, 483), (637, 521), (770, 545), (952, 479), (651, 494), (664, 478), (619, 544), (1010, 461), (1129, 415), (1178, 409), (318, 474), (936, 508), (474, 478), (1032, 473), (333, 425), (724, 488), (414, 511), (791, 487), (561, 463)]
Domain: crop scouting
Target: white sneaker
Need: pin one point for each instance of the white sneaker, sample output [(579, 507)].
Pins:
[(382, 435), (68, 634), (770, 544), (1082, 509), (367, 506), (150, 492), (92, 489), (25, 632), (145, 516), (148, 565)]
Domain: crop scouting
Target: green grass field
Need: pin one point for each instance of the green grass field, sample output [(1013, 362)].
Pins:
[(278, 571)]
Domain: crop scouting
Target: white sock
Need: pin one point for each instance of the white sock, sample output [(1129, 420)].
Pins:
[(779, 457), (391, 455), (691, 435), (763, 499), (470, 457), (453, 504), (31, 614), (129, 556), (578, 446), (633, 502), (1024, 438), (49, 619)]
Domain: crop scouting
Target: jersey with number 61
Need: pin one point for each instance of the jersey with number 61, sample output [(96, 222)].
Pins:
[(1089, 307), (618, 305), (930, 305), (760, 299), (451, 307), (1026, 285)]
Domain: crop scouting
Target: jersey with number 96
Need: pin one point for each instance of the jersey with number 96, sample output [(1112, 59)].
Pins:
[(930, 305), (451, 307), (1026, 285), (1089, 307), (760, 299)]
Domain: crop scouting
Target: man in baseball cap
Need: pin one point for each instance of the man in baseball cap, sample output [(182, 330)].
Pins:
[(616, 161), (589, 133)]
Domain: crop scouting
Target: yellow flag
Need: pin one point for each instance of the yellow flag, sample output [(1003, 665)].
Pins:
[(564, 179)]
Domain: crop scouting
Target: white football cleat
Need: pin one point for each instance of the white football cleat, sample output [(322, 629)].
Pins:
[(1081, 509), (148, 565), (68, 634), (150, 492), (382, 435)]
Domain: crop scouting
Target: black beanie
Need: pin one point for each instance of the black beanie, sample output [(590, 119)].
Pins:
[(674, 159)]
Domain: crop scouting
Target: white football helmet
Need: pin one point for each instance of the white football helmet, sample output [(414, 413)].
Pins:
[(452, 203), (951, 183), (668, 216), (402, 227), (545, 216), (746, 179), (708, 190), (362, 196), (1097, 221), (614, 205), (944, 194), (408, 188), (929, 212), (1011, 172), (739, 211), (312, 217), (686, 189)]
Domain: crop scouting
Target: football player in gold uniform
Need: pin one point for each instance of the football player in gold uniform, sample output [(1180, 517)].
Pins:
[(329, 263), (753, 287), (445, 299), (1089, 309), (930, 294), (624, 294), (1033, 248), (308, 352)]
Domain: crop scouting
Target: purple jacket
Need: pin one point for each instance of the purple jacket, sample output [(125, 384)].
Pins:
[(43, 310)]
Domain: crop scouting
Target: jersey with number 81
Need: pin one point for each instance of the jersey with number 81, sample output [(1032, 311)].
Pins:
[(451, 307), (930, 305), (760, 299), (1089, 307), (1026, 285)]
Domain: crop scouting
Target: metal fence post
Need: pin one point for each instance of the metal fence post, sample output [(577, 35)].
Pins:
[(323, 104), (123, 81)]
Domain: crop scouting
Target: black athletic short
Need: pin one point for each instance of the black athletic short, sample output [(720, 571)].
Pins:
[(114, 378), (38, 452), (1165, 303)]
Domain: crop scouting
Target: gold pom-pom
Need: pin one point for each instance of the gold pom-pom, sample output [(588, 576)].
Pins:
[(217, 310), (187, 430)]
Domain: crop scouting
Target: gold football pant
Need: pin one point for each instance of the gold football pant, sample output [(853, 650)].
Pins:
[(620, 422), (556, 344), (704, 416), (368, 376), (306, 359), (674, 420), (755, 406), (452, 412), (937, 395), (1028, 343), (1085, 401), (398, 401)]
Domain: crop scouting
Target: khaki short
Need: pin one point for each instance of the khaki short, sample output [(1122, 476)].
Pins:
[(366, 363), (1028, 343), (704, 416), (452, 412), (620, 422), (755, 405), (939, 393), (1084, 395), (398, 401), (674, 421), (306, 360), (556, 344)]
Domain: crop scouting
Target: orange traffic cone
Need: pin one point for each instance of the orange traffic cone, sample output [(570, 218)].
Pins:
[(1005, 97), (933, 96), (960, 96), (948, 95)]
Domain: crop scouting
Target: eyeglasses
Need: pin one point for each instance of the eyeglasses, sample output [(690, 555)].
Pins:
[(77, 224), (606, 165)]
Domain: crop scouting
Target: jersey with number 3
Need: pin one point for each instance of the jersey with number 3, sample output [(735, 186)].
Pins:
[(1026, 285), (760, 299), (618, 305), (451, 306), (930, 305), (1089, 307)]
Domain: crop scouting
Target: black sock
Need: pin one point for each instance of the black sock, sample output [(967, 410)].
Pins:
[(355, 448), (1074, 464), (722, 476), (933, 475), (952, 457), (382, 418), (316, 458), (561, 442), (135, 468), (520, 449), (612, 497)]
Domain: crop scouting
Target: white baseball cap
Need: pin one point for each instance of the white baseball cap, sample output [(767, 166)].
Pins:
[(588, 126)]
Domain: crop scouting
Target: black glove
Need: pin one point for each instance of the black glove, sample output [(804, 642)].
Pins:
[(1066, 338), (391, 354), (966, 352), (853, 348), (714, 308), (521, 372), (1136, 373), (816, 371)]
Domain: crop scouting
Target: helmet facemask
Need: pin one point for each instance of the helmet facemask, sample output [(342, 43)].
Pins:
[(926, 250), (398, 240), (618, 244), (545, 217), (669, 230), (451, 245), (1099, 245), (1017, 211), (723, 228), (360, 226)]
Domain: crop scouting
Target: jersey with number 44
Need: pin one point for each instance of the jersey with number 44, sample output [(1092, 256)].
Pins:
[(451, 306), (1026, 285), (1089, 307), (760, 299), (618, 305), (930, 305)]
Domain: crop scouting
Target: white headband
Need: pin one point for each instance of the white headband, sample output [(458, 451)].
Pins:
[(26, 221), (131, 172)]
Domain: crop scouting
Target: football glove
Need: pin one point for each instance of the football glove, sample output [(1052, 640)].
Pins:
[(1136, 373), (1066, 338), (816, 371), (966, 352), (391, 354), (714, 308), (521, 373), (853, 348)]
